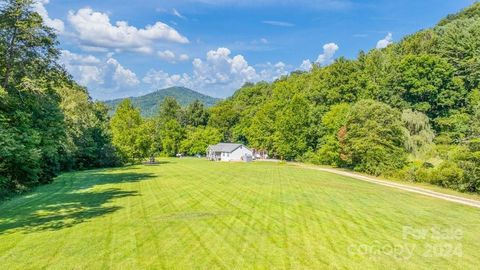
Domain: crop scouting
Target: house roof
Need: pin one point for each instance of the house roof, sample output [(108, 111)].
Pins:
[(225, 147)]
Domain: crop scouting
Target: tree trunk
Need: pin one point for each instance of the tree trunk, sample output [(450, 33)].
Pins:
[(9, 57)]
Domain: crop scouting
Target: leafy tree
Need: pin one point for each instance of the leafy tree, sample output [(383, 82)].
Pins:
[(125, 125), (260, 131), (427, 83), (198, 139), (375, 138), (88, 142), (195, 114), (224, 117), (460, 44), (170, 110), (333, 123), (27, 45), (291, 129), (419, 133), (172, 134), (147, 141)]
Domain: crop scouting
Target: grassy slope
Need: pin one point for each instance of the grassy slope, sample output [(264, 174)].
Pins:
[(432, 187), (148, 104), (196, 214)]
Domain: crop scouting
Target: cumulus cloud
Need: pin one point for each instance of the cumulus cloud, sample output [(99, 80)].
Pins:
[(306, 65), (325, 58), (217, 74), (167, 55), (122, 75), (171, 57), (57, 24), (387, 40), (94, 30), (161, 79), (85, 68), (329, 51), (100, 74), (184, 57)]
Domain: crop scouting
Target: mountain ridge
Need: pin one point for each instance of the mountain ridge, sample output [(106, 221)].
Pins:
[(149, 103)]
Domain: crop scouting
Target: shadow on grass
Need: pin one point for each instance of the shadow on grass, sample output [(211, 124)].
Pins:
[(68, 202)]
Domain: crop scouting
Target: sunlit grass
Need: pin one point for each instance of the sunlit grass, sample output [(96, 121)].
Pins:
[(195, 214)]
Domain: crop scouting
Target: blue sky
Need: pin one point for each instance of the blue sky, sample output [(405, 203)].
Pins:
[(122, 48)]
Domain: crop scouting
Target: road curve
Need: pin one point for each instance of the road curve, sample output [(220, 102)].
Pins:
[(423, 191)]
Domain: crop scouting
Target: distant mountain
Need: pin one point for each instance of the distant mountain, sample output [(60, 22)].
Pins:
[(148, 104)]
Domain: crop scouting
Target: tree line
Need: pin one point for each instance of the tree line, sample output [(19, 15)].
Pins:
[(48, 123), (410, 111)]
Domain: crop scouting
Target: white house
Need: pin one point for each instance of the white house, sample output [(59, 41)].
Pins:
[(229, 152)]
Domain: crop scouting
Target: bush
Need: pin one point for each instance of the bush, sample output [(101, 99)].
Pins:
[(448, 174)]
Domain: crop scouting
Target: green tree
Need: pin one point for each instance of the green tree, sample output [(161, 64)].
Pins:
[(27, 45), (291, 129), (196, 114), (427, 83), (333, 121), (198, 139), (170, 110), (419, 133), (172, 134), (147, 141), (125, 125), (375, 138)]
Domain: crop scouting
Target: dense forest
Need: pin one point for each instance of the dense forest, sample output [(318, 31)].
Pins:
[(410, 111), (48, 123)]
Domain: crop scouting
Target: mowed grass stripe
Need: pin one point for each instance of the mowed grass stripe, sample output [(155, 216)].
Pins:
[(190, 213)]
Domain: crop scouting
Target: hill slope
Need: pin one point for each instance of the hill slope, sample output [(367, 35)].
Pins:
[(149, 103)]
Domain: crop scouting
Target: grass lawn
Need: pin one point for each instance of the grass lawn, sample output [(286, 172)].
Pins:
[(195, 214)]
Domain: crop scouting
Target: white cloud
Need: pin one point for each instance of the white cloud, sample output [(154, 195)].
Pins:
[(95, 30), (184, 57), (160, 79), (97, 73), (306, 65), (383, 43), (279, 23), (85, 68), (178, 14), (171, 57), (167, 55), (56, 24), (323, 59), (217, 74), (329, 51), (122, 75)]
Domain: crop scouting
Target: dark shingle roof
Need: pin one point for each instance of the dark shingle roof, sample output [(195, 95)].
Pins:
[(224, 147)]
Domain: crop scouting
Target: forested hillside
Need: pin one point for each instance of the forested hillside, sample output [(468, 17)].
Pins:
[(409, 111), (150, 103), (48, 123)]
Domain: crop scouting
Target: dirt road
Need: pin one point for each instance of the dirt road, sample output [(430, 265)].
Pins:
[(419, 190)]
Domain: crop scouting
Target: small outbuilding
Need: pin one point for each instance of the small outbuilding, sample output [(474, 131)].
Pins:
[(229, 152)]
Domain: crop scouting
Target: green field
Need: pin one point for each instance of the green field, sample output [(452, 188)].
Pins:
[(195, 214)]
